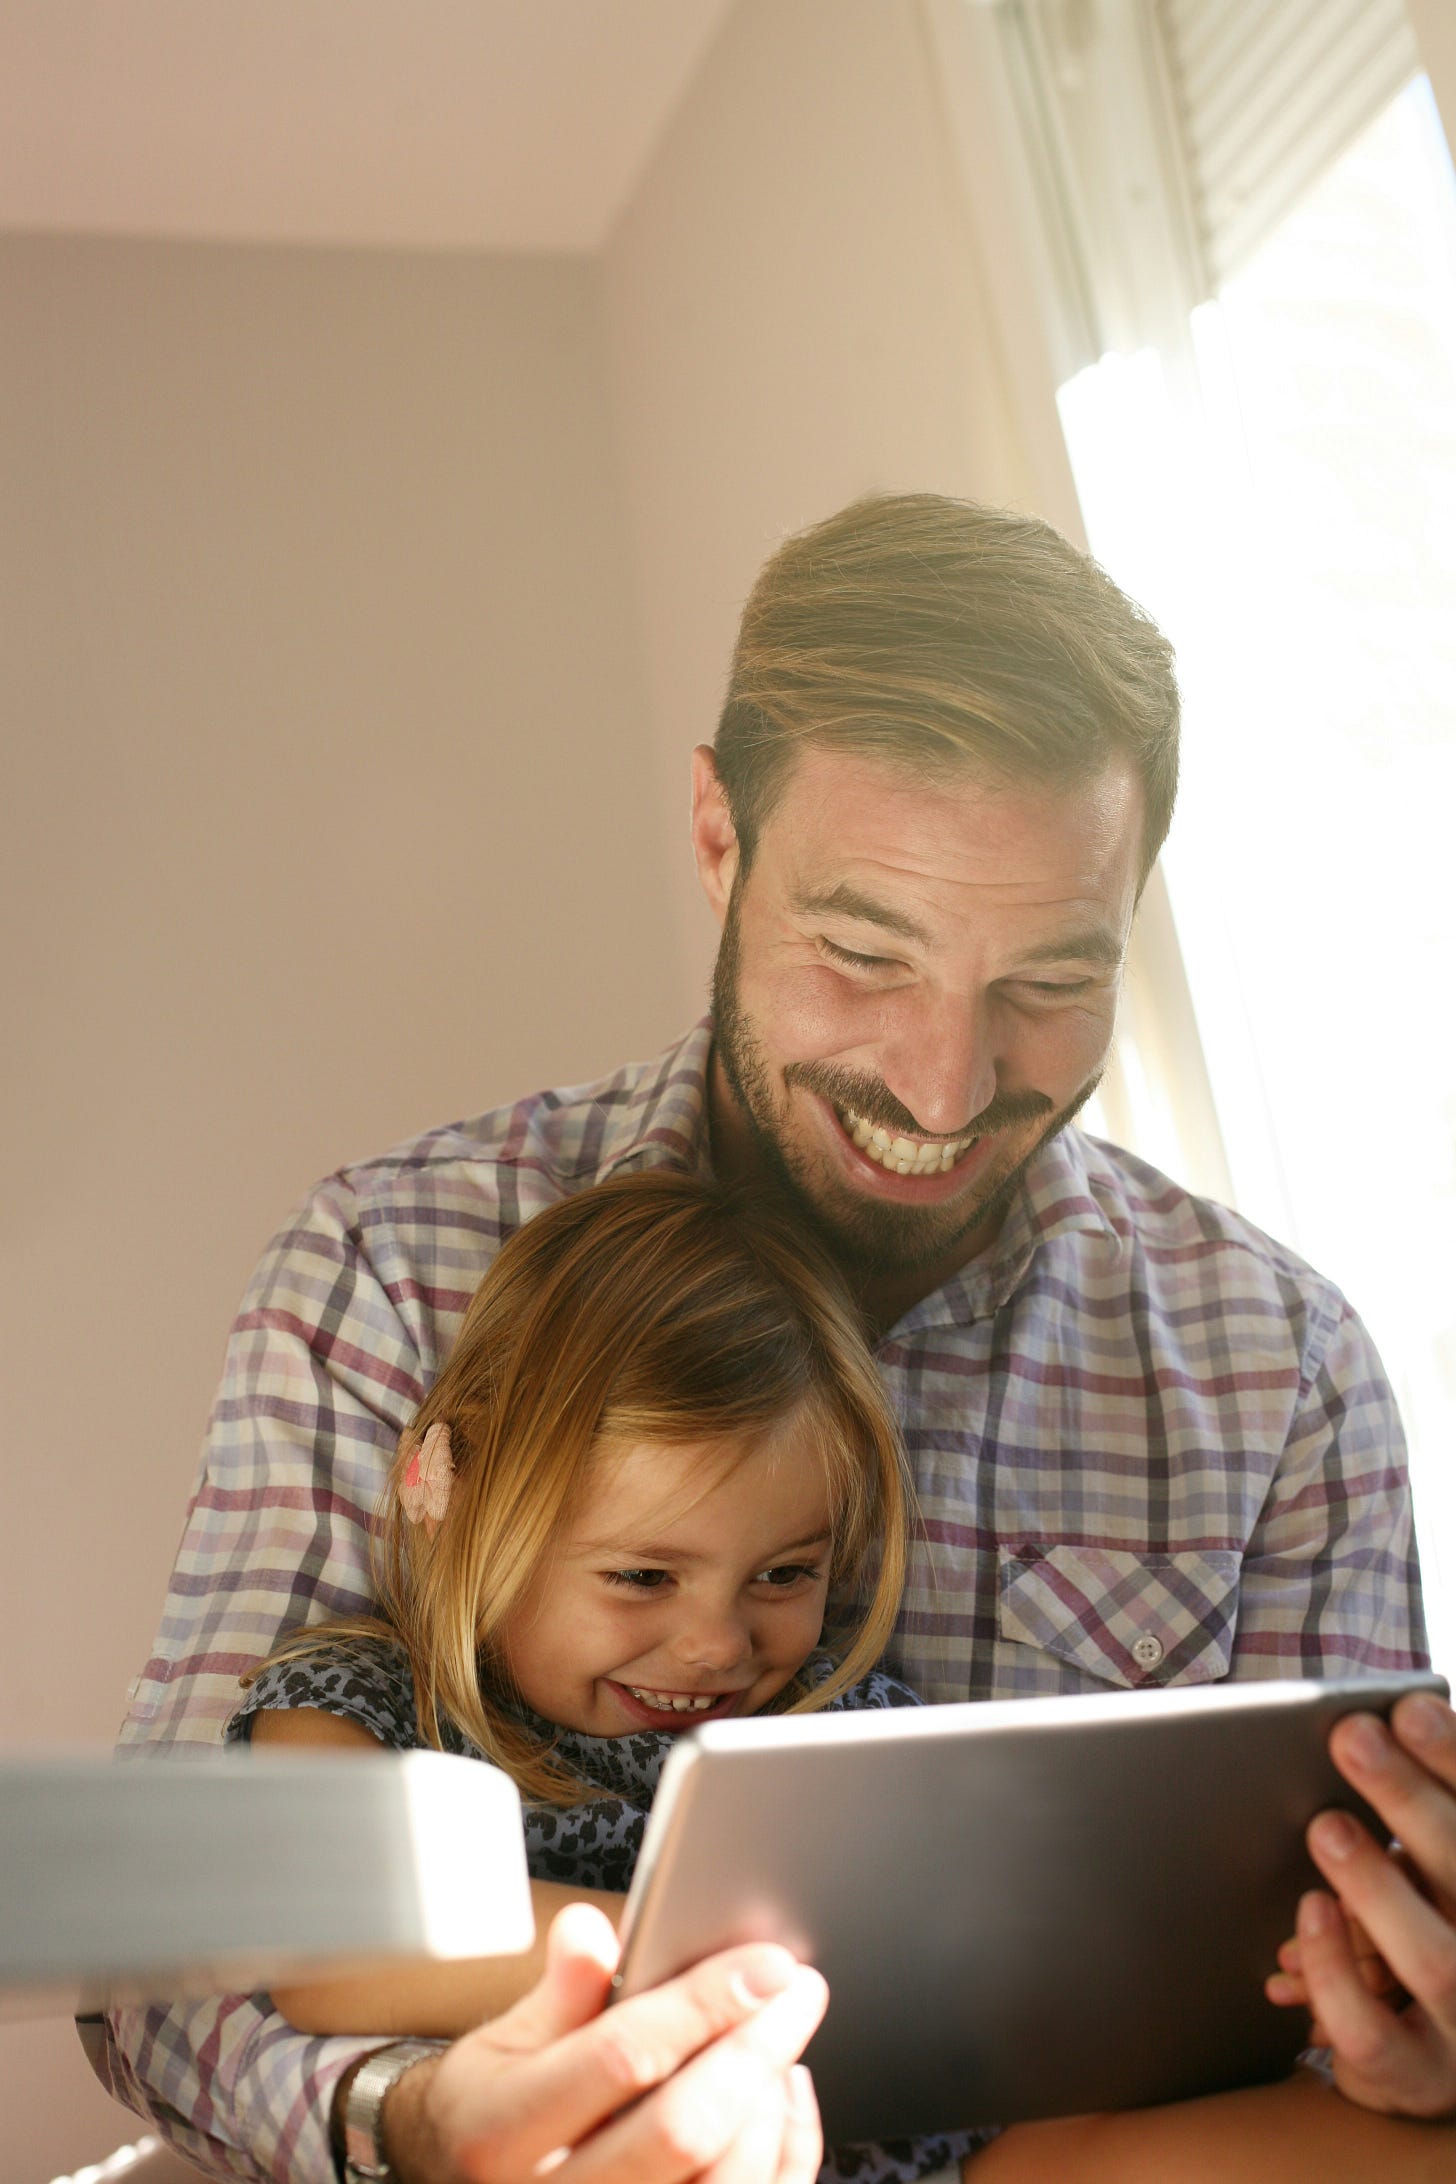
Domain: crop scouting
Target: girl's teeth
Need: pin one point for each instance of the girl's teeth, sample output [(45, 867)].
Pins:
[(665, 1703)]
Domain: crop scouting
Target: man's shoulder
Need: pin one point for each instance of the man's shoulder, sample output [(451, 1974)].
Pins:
[(535, 1149), (1182, 1241)]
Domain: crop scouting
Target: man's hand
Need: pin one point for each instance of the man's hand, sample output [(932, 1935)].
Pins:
[(695, 2080), (1393, 2032)]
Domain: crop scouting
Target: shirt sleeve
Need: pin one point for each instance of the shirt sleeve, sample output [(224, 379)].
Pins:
[(231, 2085), (323, 1372), (366, 1683), (1330, 1584)]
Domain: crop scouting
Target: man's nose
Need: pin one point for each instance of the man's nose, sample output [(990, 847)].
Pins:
[(941, 1065)]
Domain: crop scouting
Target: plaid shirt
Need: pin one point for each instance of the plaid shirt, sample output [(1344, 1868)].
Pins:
[(1151, 1446)]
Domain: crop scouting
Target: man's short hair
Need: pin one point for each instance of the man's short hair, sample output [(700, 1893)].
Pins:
[(935, 633)]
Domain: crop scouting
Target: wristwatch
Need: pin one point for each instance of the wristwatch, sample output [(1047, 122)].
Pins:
[(364, 2160)]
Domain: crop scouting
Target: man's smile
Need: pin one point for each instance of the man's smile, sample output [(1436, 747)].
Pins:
[(903, 1155), (891, 1166)]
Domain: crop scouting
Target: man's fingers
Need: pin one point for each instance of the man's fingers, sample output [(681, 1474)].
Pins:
[(1417, 1943), (581, 1956), (557, 2096), (1353, 2021), (752, 2157), (803, 2144), (1409, 1794), (1383, 2060), (1288, 1985), (1426, 1727), (782, 2144), (693, 2120)]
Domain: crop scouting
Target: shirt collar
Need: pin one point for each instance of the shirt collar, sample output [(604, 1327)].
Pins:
[(1057, 1197), (661, 1116)]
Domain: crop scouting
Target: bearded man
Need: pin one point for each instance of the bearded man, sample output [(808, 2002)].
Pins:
[(1150, 1445)]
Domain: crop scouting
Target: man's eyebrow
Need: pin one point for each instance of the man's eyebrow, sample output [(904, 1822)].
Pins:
[(1097, 944), (846, 901)]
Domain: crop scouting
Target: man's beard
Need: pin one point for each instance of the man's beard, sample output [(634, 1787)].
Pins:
[(871, 1239)]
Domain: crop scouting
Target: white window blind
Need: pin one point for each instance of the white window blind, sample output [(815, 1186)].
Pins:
[(1166, 139), (1268, 94)]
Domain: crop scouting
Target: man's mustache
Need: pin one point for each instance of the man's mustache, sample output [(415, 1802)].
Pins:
[(874, 1100)]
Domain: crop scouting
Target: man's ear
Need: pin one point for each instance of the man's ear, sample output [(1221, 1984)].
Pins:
[(715, 840)]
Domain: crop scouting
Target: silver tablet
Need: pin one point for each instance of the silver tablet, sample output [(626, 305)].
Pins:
[(1029, 1908)]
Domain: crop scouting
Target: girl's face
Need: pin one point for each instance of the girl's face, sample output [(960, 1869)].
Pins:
[(688, 1583)]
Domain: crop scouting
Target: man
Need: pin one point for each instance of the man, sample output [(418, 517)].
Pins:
[(1150, 1445)]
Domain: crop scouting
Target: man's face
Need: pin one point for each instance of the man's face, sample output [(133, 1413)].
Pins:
[(916, 988)]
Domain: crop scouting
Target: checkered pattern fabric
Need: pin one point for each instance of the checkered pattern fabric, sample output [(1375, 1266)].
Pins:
[(1150, 1445)]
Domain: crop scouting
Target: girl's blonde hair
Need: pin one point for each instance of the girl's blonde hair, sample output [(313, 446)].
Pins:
[(654, 1307)]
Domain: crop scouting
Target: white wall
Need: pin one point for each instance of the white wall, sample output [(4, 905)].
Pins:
[(796, 316), (323, 822)]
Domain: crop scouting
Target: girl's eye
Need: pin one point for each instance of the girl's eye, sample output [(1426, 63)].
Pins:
[(638, 1580), (784, 1574)]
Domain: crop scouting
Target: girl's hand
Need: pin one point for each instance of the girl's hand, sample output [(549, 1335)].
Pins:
[(1394, 2049)]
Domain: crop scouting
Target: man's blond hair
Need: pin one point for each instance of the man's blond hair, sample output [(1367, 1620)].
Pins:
[(939, 633)]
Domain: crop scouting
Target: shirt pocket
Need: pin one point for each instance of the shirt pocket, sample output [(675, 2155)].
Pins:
[(1123, 1618)]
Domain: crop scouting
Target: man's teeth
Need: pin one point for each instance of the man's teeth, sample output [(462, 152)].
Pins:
[(667, 1703), (903, 1155)]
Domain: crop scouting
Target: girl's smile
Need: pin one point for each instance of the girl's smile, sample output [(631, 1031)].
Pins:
[(674, 1709), (688, 1584)]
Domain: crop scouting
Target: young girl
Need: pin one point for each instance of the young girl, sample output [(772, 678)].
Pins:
[(657, 1452)]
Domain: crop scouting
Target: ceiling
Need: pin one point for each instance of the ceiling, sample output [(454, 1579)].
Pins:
[(513, 125)]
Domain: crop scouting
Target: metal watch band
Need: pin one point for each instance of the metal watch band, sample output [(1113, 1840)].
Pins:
[(364, 2161)]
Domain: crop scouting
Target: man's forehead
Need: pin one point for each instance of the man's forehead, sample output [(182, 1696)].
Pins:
[(853, 830)]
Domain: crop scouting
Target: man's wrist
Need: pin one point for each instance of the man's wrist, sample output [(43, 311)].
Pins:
[(412, 2144), (394, 2143)]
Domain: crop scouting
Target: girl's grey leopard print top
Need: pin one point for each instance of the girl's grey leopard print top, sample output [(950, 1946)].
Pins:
[(590, 1845)]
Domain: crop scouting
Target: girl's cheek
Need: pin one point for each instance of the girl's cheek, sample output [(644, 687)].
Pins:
[(629, 1625)]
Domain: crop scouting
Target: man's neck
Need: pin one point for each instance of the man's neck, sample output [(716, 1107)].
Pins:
[(884, 1299)]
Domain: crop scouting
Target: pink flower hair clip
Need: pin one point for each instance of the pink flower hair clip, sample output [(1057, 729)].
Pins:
[(424, 1491)]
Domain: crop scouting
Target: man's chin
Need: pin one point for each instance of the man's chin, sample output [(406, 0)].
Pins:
[(878, 1241)]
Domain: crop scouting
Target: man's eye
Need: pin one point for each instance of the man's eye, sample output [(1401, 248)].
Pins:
[(1052, 989), (638, 1580), (851, 957)]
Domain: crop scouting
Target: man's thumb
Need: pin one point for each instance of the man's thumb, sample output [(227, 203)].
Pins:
[(581, 1956)]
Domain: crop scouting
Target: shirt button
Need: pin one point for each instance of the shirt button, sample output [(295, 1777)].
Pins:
[(1147, 1651)]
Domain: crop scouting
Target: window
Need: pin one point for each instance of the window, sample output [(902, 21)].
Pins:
[(1279, 487)]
